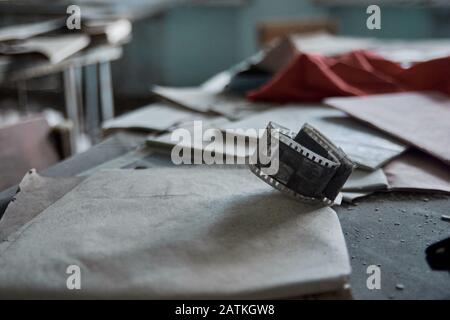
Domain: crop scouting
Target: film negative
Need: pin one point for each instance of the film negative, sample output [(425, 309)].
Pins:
[(310, 167)]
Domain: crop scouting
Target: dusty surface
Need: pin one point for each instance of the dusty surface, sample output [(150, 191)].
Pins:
[(393, 230)]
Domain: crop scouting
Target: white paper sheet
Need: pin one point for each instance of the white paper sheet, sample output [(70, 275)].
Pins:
[(202, 99), (420, 119), (367, 147), (156, 117)]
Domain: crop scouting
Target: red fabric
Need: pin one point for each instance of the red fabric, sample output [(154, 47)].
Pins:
[(313, 77)]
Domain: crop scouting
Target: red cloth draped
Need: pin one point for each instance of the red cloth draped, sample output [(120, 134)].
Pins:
[(313, 77)]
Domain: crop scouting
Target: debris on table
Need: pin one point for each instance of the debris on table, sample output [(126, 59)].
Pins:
[(400, 286)]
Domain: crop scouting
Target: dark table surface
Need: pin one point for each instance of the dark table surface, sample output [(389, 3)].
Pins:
[(390, 230)]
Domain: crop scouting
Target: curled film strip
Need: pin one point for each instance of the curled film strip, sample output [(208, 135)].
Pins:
[(314, 169)]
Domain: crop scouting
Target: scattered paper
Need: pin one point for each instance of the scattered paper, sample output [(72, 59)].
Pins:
[(352, 196), (363, 181), (155, 117), (197, 142), (55, 48), (419, 119), (365, 146), (202, 100), (417, 171), (28, 30)]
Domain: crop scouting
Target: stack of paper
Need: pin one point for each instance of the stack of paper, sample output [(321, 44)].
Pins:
[(48, 41)]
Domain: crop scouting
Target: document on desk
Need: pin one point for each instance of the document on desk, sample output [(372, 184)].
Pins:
[(361, 181), (155, 117), (55, 49), (418, 119), (203, 100), (418, 171), (28, 30), (367, 147), (412, 171), (193, 137), (181, 232)]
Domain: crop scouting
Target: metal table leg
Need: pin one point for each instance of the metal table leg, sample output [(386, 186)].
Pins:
[(106, 91), (92, 106), (79, 87), (70, 92)]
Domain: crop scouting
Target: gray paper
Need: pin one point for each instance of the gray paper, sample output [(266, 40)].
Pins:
[(367, 147), (417, 171), (361, 180), (157, 117), (177, 233), (55, 48), (204, 100), (28, 30), (35, 194), (419, 119), (352, 196)]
